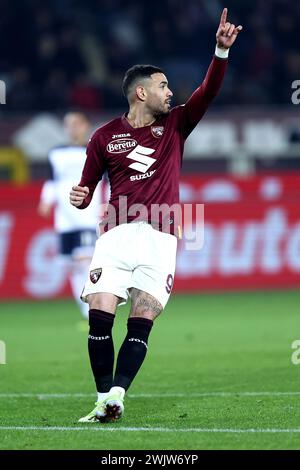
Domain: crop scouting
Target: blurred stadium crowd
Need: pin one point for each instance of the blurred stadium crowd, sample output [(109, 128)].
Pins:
[(63, 53)]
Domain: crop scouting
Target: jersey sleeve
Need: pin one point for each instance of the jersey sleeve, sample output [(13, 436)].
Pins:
[(93, 170), (194, 109)]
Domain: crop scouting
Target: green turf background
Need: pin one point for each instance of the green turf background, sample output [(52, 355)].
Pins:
[(201, 343)]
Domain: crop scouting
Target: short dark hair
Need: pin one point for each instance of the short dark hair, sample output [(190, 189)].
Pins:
[(136, 72)]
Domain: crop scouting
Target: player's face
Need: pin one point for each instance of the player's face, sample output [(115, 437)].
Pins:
[(158, 94)]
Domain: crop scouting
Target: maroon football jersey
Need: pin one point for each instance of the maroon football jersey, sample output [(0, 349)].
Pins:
[(143, 164)]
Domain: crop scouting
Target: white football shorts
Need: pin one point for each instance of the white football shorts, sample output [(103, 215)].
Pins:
[(133, 255)]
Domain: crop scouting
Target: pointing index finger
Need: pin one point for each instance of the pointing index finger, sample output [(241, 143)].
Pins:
[(223, 17)]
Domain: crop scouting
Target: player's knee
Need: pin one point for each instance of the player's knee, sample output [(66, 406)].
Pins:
[(103, 301)]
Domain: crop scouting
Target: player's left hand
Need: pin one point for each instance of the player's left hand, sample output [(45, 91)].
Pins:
[(227, 32)]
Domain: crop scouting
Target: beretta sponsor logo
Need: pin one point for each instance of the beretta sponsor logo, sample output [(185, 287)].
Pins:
[(121, 145)]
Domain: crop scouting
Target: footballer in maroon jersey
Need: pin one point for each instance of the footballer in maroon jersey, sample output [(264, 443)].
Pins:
[(143, 163), (135, 254)]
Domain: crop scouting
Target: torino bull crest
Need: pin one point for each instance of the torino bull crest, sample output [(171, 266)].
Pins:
[(95, 275)]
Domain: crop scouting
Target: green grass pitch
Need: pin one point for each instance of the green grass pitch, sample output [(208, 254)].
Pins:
[(218, 375)]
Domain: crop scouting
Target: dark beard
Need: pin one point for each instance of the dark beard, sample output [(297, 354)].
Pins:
[(159, 114)]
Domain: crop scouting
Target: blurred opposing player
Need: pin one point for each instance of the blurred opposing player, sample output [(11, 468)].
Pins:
[(135, 255), (76, 231)]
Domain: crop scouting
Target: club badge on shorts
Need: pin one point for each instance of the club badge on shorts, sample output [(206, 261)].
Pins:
[(95, 275), (157, 131)]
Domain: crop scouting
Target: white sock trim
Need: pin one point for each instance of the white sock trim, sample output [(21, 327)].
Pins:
[(102, 396), (117, 390)]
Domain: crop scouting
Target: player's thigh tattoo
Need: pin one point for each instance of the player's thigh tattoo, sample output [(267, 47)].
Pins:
[(144, 304)]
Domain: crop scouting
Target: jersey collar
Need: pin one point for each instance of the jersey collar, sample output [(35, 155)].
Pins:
[(129, 127)]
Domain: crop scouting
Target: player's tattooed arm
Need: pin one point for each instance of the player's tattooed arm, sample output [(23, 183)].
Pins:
[(144, 305), (227, 32)]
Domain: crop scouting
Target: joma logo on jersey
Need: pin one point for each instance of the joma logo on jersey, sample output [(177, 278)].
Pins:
[(121, 145), (142, 162), (117, 136)]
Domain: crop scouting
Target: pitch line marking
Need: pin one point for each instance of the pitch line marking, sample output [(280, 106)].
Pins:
[(49, 396), (141, 429)]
